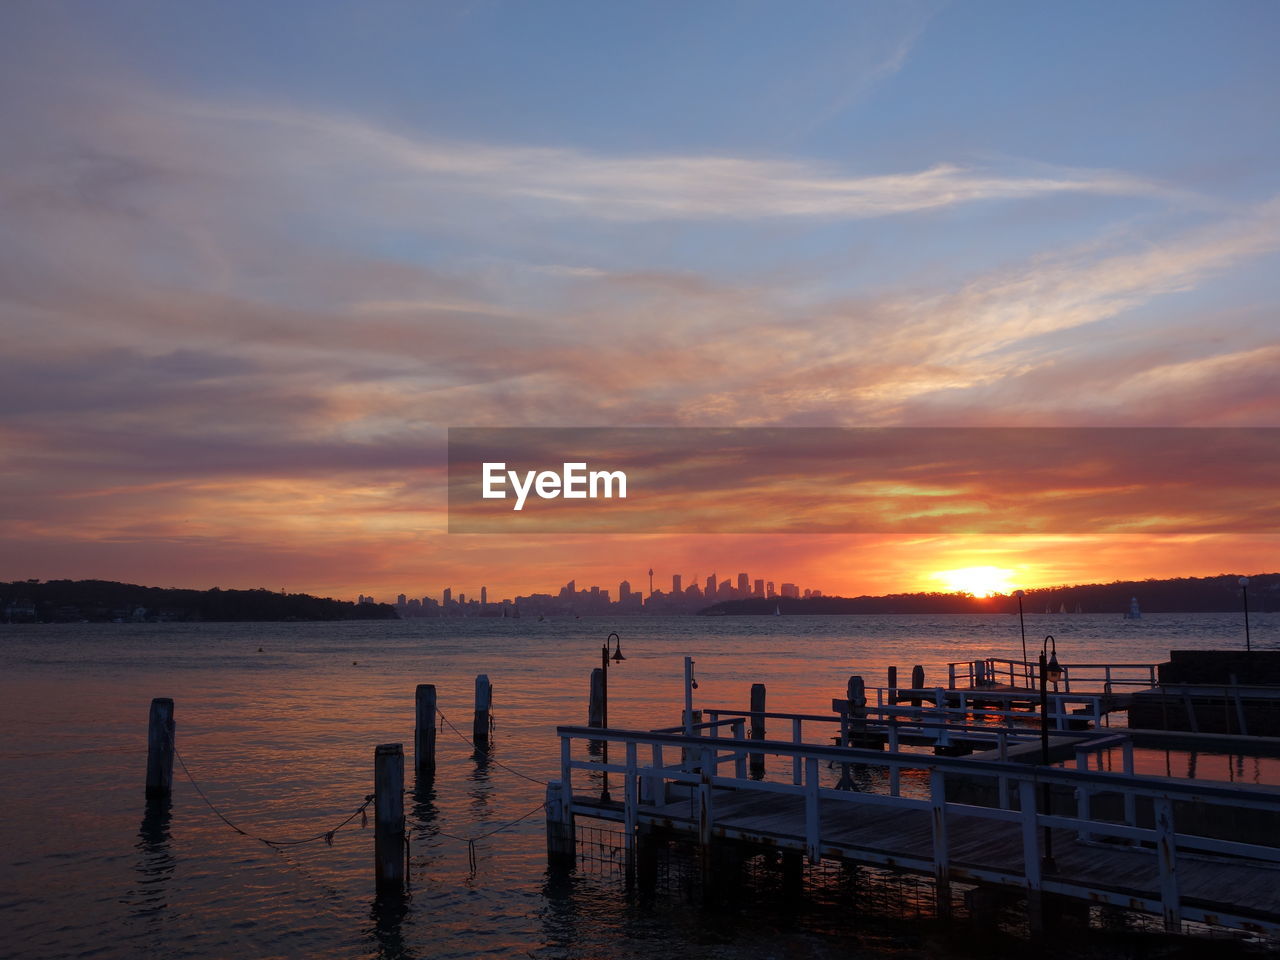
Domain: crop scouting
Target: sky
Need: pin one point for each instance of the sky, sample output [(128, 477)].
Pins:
[(256, 259)]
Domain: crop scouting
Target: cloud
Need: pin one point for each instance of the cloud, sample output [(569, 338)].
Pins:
[(564, 181), (256, 321)]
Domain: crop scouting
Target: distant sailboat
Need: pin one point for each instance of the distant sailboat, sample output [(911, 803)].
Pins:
[(1078, 609), (1062, 608), (1133, 613), (777, 610)]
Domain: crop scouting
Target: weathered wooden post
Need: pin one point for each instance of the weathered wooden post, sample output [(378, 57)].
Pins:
[(757, 727), (893, 685), (560, 831), (595, 707), (917, 682), (484, 703), (388, 818), (856, 692), (424, 731), (160, 734)]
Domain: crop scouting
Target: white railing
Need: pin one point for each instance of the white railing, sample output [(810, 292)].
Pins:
[(649, 784), (1025, 674)]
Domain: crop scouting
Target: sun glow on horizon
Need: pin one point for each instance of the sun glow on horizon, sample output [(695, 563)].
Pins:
[(979, 581)]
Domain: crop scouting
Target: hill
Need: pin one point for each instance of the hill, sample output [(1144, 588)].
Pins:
[(71, 601)]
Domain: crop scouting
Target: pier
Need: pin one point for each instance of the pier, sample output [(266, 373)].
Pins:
[(1183, 851)]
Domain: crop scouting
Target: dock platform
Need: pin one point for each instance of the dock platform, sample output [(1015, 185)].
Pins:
[(1182, 850)]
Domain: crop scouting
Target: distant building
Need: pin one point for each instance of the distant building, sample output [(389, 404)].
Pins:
[(790, 590), (675, 583), (759, 589), (744, 585), (484, 596), (401, 600)]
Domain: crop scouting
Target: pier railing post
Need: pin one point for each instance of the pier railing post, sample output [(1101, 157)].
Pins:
[(388, 822), (160, 738), (757, 726), (692, 720), (1031, 854), (484, 704), (740, 756), (424, 731), (917, 682), (657, 782), (812, 813), (630, 800), (941, 854), (1166, 845), (797, 737), (705, 812)]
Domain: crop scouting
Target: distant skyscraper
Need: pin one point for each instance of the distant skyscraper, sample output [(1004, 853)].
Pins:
[(484, 596), (651, 581), (790, 590), (448, 595), (710, 589), (675, 583), (770, 591), (401, 600), (759, 590), (624, 591), (744, 587)]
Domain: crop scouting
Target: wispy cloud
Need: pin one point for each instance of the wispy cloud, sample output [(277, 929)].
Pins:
[(571, 182)]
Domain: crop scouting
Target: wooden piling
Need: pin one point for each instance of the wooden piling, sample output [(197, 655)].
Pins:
[(560, 830), (424, 731), (160, 740), (484, 704), (757, 727), (856, 692), (595, 706), (917, 682), (893, 685), (388, 819)]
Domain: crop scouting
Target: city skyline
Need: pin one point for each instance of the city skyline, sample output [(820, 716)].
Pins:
[(678, 597)]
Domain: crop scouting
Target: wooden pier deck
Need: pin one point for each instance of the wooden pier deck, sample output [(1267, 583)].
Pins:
[(1181, 850), (978, 851)]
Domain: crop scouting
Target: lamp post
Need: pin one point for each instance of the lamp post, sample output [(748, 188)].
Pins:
[(1244, 594), (605, 659), (1022, 627), (1049, 670)]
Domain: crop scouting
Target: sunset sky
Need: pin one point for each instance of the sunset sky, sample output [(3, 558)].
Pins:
[(256, 259)]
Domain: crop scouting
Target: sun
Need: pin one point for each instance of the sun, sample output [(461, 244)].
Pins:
[(979, 581)]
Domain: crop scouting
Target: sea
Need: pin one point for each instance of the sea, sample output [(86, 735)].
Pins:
[(276, 729)]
